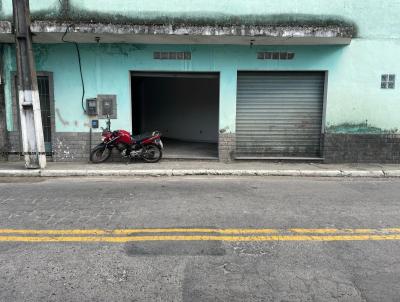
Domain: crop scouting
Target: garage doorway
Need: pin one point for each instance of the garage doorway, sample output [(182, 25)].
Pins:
[(183, 106)]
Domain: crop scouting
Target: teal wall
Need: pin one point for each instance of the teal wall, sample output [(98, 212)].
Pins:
[(35, 6), (354, 95), (373, 18), (355, 101)]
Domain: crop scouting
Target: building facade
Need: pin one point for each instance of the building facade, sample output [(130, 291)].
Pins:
[(306, 79)]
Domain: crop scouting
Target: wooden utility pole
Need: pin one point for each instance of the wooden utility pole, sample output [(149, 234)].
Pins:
[(28, 95)]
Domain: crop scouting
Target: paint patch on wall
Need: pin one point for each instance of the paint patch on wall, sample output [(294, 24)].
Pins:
[(41, 54), (225, 130), (64, 122), (119, 49), (359, 128)]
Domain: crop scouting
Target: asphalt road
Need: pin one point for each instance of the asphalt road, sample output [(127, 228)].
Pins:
[(339, 261)]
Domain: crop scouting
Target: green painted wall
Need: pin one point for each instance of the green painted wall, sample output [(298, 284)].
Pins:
[(52, 7), (373, 18), (354, 99), (354, 94)]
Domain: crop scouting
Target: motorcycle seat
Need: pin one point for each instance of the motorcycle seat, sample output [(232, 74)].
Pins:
[(141, 137)]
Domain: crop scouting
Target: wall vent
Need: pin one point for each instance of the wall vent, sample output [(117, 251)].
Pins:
[(275, 55), (172, 55), (388, 81)]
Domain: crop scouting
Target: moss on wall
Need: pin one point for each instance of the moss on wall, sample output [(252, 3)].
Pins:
[(65, 12), (41, 53), (76, 15), (359, 128)]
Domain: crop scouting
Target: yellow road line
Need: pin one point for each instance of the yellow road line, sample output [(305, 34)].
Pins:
[(55, 232), (351, 231), (136, 231), (392, 230), (198, 230), (201, 238)]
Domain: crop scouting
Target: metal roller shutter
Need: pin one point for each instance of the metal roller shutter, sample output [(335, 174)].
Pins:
[(279, 114)]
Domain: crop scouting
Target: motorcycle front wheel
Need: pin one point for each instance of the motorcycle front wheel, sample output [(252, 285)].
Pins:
[(152, 153), (100, 154)]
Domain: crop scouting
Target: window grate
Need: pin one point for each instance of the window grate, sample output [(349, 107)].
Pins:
[(44, 97), (275, 55), (388, 81), (172, 55)]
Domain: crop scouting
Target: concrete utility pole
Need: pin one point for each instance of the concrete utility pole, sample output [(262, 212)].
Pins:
[(28, 95)]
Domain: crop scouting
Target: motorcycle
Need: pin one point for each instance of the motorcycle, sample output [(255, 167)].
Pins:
[(147, 146)]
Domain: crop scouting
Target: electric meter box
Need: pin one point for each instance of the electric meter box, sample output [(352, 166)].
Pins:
[(107, 105), (91, 106)]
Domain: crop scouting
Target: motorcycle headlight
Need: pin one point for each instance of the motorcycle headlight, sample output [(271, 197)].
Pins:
[(103, 138)]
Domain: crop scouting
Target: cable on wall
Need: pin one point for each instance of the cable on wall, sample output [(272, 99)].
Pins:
[(79, 61)]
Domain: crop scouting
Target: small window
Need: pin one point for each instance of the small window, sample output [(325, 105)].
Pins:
[(261, 55), (283, 56), (164, 56), (275, 55), (268, 55), (172, 55), (388, 81), (157, 55)]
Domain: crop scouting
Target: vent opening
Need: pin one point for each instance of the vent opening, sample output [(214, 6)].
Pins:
[(172, 55), (275, 55)]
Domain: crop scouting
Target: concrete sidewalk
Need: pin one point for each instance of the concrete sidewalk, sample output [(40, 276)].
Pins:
[(191, 168)]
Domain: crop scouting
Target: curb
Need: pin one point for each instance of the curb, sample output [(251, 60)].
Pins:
[(19, 173), (201, 172)]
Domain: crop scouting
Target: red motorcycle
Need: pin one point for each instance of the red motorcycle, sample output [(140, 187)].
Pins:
[(146, 146)]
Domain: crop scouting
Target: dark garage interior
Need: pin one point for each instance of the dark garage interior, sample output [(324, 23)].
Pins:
[(183, 106)]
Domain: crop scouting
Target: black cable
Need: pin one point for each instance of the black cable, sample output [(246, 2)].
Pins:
[(80, 64)]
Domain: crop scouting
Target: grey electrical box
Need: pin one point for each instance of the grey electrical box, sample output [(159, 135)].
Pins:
[(107, 105), (91, 106)]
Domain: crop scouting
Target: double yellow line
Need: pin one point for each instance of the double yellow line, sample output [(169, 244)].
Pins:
[(197, 234)]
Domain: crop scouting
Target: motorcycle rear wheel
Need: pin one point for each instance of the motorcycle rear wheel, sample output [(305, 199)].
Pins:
[(100, 154), (152, 153)]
